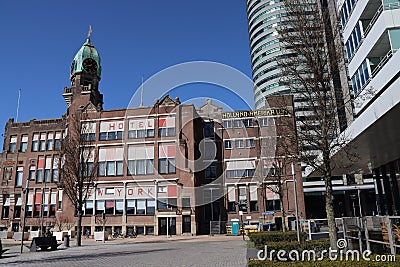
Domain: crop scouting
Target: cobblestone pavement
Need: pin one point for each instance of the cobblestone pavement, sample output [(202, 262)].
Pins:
[(145, 251)]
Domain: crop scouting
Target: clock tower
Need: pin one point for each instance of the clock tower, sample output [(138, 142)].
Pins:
[(85, 76)]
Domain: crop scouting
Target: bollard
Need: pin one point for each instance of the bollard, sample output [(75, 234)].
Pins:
[(66, 241)]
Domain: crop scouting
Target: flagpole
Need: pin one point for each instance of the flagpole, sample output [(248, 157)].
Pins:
[(141, 94), (19, 97)]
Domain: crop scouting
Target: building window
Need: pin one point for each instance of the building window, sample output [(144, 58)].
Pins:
[(361, 77), (141, 167), (119, 206), (32, 172), (53, 202), (166, 166), (111, 130), (239, 169), (242, 198), (60, 197), (50, 141), (19, 176), (39, 173), (130, 206), (166, 126), (209, 129), (140, 160), (253, 198), (110, 207), (237, 123), (111, 161), (42, 143), (47, 170), (35, 142), (239, 143), (88, 137), (231, 194), (7, 173), (13, 144), (39, 176), (227, 124), (141, 128), (169, 204), (232, 207), (24, 143), (150, 206), (141, 206), (228, 144), (264, 122), (166, 161), (57, 142), (55, 169), (38, 201), (273, 205), (211, 170), (88, 208), (100, 207), (240, 173), (6, 206), (17, 207), (249, 143), (45, 210), (149, 230), (186, 203), (248, 122)]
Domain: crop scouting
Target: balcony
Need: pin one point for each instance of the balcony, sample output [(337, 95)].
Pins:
[(378, 12)]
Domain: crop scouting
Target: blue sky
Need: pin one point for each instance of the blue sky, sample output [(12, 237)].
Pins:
[(40, 38)]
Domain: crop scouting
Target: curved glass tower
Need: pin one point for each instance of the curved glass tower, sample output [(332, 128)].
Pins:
[(264, 16)]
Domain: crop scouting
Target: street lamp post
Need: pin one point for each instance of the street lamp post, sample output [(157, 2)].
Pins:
[(295, 201), (26, 191), (42, 209)]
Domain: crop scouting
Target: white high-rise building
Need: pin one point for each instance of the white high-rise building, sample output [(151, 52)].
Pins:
[(263, 19), (371, 35)]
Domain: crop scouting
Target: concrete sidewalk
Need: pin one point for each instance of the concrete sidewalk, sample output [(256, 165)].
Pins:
[(140, 251)]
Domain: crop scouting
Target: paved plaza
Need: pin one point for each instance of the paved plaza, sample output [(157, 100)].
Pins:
[(141, 251)]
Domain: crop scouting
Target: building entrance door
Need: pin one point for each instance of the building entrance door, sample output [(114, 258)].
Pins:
[(186, 225), (162, 226), (167, 226)]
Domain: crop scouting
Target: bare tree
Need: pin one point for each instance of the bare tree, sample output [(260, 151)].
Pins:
[(279, 151), (276, 185), (79, 166), (62, 221), (311, 68)]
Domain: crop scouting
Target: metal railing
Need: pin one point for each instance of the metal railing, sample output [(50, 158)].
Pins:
[(383, 61), (218, 227), (390, 6), (378, 234), (318, 228)]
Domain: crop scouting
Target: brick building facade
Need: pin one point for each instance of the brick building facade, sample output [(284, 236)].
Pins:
[(165, 169)]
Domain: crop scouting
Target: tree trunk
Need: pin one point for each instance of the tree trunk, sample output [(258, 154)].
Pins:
[(283, 214), (79, 230), (330, 213)]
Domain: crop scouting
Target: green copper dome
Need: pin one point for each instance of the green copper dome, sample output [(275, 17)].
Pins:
[(86, 60)]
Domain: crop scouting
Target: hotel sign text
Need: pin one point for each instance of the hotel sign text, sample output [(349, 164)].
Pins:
[(255, 113)]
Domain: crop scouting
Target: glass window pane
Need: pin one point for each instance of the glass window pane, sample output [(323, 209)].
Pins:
[(102, 169), (150, 166), (110, 168), (131, 167), (120, 170), (140, 167)]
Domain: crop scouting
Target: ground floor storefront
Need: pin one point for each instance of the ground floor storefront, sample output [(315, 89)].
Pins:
[(163, 223)]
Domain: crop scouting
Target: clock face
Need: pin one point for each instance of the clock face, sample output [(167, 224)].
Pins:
[(89, 65)]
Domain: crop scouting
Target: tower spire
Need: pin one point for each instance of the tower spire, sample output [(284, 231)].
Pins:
[(89, 32)]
